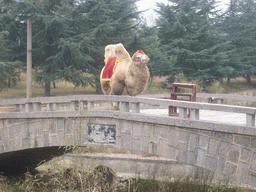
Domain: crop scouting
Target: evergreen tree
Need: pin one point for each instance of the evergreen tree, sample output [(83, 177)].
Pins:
[(9, 67), (9, 73), (187, 30), (69, 36), (240, 25), (160, 64)]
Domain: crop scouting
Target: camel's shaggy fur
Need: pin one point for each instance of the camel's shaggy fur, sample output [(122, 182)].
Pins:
[(137, 75), (130, 73), (109, 52)]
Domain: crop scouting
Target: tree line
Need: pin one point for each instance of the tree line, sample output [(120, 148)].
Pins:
[(191, 37)]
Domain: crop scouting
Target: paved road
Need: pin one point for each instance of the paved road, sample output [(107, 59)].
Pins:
[(219, 116)]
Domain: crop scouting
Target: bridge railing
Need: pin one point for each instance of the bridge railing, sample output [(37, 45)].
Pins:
[(219, 98), (127, 104)]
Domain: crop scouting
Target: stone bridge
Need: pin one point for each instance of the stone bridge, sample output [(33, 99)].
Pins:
[(226, 150)]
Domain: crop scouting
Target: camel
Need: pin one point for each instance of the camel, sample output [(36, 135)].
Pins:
[(130, 73)]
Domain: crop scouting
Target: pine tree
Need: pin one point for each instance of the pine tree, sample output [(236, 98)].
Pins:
[(69, 36), (160, 64), (239, 23), (9, 73), (187, 30)]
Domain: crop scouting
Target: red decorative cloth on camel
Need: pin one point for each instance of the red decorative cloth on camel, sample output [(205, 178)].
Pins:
[(109, 69)]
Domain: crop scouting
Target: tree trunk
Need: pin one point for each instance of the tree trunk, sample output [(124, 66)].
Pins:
[(29, 58), (54, 85), (248, 79), (47, 88), (228, 80), (9, 82)]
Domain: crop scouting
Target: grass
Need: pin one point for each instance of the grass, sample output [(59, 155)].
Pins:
[(62, 88), (237, 85), (58, 175), (63, 175)]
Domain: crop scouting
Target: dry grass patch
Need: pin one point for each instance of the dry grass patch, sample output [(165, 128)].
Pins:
[(62, 88)]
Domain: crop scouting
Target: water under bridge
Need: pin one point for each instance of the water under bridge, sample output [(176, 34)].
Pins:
[(217, 137)]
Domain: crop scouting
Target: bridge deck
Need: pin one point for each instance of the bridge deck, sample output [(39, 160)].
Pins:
[(206, 115)]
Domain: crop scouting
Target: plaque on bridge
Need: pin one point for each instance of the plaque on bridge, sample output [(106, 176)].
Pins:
[(99, 133)]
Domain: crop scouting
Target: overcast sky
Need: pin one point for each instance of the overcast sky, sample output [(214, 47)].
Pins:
[(151, 5)]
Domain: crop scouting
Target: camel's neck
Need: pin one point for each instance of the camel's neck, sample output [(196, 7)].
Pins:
[(138, 64), (138, 68)]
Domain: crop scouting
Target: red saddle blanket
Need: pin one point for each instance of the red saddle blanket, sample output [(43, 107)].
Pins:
[(108, 70)]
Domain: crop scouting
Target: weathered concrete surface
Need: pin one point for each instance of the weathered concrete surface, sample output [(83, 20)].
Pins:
[(220, 148), (153, 167), (133, 165)]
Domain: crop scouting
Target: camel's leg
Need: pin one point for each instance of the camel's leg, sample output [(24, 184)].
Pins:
[(117, 88), (105, 86), (131, 90)]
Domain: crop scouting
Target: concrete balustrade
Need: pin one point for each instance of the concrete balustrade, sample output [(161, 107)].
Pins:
[(250, 120), (127, 104), (28, 107), (194, 114), (124, 106), (135, 107), (82, 105), (56, 106), (183, 114), (49, 107), (90, 105), (37, 106), (74, 105)]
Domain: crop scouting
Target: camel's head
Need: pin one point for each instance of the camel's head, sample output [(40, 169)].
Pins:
[(140, 56), (110, 51), (120, 51)]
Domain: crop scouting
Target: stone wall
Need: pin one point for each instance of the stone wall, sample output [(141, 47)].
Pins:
[(224, 154)]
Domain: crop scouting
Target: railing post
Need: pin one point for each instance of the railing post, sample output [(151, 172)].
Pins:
[(194, 114), (37, 106), (82, 105), (28, 107), (90, 105), (17, 107), (55, 106), (183, 114), (250, 120), (49, 107), (135, 107), (22, 107), (124, 106), (73, 105)]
